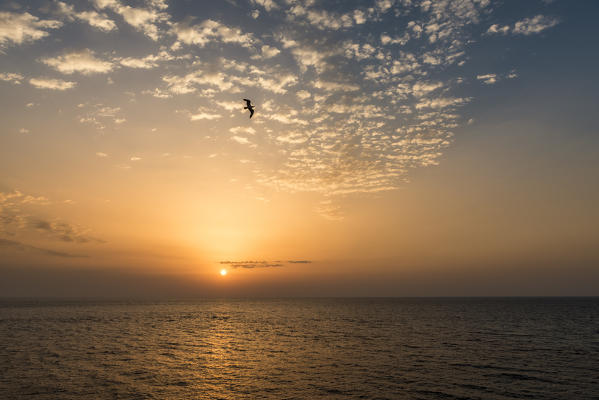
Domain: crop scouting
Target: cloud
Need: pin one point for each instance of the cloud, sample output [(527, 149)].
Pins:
[(251, 264), (307, 57), (527, 26), (275, 83), (83, 62), (303, 94), (62, 231), (23, 28), (488, 79), (240, 139), (140, 19), (13, 244), (8, 199), (329, 210), (267, 4), (91, 17), (147, 62), (384, 5), (229, 105), (11, 77), (144, 20), (285, 118), (52, 84), (440, 102), (401, 40), (242, 129), (370, 110), (227, 75), (210, 31), (336, 86), (420, 89), (188, 83), (497, 29), (269, 51), (100, 115), (261, 264), (323, 19), (18, 216), (204, 115)]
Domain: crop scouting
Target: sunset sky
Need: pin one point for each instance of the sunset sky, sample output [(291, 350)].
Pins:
[(399, 148)]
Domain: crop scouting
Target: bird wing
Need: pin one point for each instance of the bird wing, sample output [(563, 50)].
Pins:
[(247, 102), (251, 112)]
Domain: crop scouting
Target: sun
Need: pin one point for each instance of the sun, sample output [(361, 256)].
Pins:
[(223, 272)]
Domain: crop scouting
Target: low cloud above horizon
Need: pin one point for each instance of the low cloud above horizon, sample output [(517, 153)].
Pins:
[(262, 264)]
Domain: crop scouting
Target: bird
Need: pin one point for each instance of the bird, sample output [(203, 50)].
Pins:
[(249, 107)]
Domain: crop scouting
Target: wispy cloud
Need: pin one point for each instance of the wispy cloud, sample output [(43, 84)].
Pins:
[(267, 4), (487, 78), (210, 31), (22, 28), (19, 214), (527, 26), (147, 62), (84, 62), (52, 84), (93, 18), (490, 79), (100, 115), (204, 115), (240, 139), (242, 129), (62, 231), (11, 77), (16, 245), (144, 19)]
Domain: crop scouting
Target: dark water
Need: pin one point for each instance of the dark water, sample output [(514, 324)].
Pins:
[(301, 349)]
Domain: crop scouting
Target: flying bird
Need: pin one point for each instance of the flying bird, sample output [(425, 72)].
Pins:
[(249, 107)]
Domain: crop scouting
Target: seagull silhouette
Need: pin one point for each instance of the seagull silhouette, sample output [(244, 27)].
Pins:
[(249, 107)]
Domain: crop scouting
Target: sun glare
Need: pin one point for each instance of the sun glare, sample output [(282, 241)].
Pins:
[(223, 272)]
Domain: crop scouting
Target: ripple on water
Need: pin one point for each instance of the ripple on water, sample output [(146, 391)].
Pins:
[(301, 349)]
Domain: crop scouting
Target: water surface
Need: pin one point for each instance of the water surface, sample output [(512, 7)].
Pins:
[(301, 349)]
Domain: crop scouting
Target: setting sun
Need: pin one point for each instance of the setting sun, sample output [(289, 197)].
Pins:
[(223, 272)]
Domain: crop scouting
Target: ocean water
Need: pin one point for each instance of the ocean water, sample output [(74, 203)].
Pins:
[(301, 349)]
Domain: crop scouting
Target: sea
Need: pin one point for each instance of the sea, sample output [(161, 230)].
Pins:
[(362, 348)]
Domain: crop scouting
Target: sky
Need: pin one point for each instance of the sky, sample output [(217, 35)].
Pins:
[(398, 148)]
